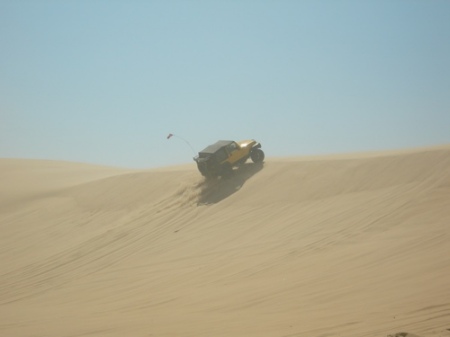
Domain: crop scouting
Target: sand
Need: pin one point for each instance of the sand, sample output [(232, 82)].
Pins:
[(353, 245)]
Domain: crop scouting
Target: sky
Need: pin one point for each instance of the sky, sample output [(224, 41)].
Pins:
[(105, 81)]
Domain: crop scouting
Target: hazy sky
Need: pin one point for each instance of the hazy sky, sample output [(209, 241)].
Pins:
[(106, 81)]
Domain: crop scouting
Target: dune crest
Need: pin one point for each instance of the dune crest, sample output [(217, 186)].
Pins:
[(331, 246)]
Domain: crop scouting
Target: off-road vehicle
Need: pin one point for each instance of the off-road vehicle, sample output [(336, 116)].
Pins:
[(218, 159)]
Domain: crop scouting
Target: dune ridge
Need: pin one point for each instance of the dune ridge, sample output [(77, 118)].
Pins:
[(353, 245)]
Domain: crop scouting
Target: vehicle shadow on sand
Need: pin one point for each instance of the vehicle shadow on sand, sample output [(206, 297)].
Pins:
[(215, 190)]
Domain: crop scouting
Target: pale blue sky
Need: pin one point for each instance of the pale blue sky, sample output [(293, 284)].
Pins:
[(106, 81)]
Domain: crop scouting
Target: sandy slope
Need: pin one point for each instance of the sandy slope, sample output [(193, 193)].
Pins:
[(328, 246)]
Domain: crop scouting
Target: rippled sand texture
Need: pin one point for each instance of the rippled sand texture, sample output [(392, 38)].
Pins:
[(352, 245)]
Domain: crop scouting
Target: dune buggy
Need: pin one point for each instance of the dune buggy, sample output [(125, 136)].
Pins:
[(218, 159)]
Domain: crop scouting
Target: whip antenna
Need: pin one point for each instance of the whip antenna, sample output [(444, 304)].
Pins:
[(184, 140)]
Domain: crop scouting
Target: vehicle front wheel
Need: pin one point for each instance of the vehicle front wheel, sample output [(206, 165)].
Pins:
[(257, 156)]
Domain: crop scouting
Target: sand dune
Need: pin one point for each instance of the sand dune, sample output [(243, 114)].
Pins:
[(354, 245)]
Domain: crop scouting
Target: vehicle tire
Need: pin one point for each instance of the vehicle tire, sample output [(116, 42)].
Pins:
[(257, 156), (227, 171)]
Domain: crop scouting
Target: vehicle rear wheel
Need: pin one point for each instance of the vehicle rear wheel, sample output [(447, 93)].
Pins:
[(227, 170), (257, 156)]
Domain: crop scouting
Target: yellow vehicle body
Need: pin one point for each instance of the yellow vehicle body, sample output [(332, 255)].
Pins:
[(242, 150)]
